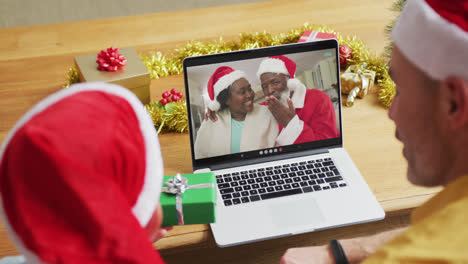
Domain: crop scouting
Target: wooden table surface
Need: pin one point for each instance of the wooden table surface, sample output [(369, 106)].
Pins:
[(34, 61)]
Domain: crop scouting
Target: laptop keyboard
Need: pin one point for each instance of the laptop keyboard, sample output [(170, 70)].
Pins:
[(278, 181)]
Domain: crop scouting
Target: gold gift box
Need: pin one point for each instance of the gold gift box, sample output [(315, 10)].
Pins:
[(356, 81), (133, 76)]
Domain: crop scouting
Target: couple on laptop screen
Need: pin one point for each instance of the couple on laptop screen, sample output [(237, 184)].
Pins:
[(282, 111)]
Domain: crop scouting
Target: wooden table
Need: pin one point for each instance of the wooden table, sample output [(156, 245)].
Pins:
[(34, 61)]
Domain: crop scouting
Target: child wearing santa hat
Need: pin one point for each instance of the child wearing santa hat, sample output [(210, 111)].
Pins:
[(80, 177)]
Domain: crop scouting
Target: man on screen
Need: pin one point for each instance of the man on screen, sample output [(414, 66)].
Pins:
[(303, 114)]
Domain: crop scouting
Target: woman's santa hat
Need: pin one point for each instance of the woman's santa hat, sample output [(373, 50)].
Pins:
[(220, 80), (433, 35), (281, 64), (80, 177)]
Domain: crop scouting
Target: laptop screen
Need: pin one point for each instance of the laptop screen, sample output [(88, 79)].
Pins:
[(263, 102)]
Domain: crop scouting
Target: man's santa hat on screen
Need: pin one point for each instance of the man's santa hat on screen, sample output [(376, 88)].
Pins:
[(284, 65), (433, 35), (220, 80), (80, 177)]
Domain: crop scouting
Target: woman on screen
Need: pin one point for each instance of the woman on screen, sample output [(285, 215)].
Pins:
[(241, 125)]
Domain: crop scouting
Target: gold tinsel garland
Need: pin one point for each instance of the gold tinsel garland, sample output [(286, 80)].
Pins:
[(72, 76), (169, 117), (174, 116)]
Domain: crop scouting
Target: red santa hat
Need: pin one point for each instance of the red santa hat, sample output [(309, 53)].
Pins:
[(220, 80), (80, 177), (281, 64), (433, 35)]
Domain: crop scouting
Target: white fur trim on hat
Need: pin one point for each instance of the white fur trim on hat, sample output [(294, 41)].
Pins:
[(227, 80), (273, 66), (223, 83), (148, 198), (434, 45)]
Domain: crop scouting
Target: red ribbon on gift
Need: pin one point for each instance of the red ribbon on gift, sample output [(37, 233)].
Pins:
[(110, 60)]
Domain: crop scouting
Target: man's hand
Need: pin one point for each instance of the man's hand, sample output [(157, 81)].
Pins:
[(356, 249), (212, 115), (153, 228), (160, 233), (306, 255), (283, 114)]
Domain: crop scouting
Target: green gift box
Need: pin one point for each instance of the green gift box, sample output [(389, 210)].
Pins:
[(196, 195)]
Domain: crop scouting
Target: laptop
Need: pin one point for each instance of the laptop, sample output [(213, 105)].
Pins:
[(280, 190)]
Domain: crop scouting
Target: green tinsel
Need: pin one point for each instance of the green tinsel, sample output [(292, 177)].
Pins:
[(387, 86), (396, 7), (169, 117)]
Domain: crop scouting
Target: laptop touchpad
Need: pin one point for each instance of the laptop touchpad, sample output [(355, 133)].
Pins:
[(301, 212)]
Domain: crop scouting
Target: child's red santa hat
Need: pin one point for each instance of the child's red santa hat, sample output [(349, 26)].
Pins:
[(220, 80), (281, 64), (80, 177), (433, 35)]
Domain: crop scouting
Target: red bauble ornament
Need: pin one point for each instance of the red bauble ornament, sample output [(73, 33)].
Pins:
[(163, 101), (345, 54), (110, 60)]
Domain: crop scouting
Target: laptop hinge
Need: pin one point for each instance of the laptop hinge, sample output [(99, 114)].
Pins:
[(239, 163)]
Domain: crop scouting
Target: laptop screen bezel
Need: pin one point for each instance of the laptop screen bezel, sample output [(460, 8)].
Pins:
[(252, 54)]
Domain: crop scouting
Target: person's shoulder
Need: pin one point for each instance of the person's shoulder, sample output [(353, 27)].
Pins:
[(439, 235), (318, 97), (223, 117), (315, 96), (316, 93)]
